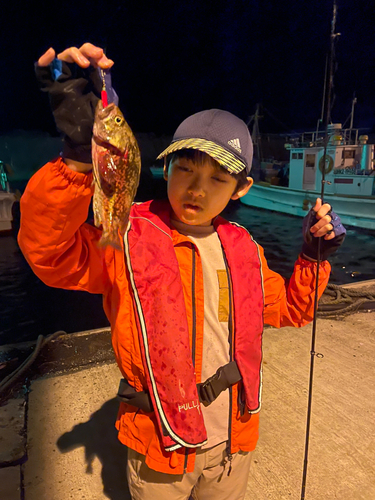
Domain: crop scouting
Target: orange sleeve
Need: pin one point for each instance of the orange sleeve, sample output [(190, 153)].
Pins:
[(61, 249), (291, 302)]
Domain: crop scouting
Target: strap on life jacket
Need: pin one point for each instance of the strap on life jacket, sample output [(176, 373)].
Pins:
[(208, 391)]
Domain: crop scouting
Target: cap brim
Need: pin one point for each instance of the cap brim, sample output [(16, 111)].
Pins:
[(226, 159)]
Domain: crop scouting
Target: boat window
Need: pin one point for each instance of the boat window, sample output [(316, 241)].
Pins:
[(310, 160), (297, 156), (348, 153)]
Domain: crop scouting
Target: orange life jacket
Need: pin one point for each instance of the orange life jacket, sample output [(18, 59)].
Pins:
[(163, 326)]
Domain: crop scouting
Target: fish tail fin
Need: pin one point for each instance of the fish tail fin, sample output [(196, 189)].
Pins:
[(112, 239), (114, 235)]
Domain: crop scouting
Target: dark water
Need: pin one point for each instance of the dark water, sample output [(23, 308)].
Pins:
[(29, 308)]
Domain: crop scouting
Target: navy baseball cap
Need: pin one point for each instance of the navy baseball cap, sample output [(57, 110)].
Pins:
[(218, 133)]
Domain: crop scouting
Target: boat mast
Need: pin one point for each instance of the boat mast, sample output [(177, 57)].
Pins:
[(329, 87)]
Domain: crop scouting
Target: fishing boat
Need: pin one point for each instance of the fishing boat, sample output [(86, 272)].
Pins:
[(338, 159), (349, 177), (6, 201)]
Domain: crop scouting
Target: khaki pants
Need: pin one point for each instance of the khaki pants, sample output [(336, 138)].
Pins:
[(209, 481)]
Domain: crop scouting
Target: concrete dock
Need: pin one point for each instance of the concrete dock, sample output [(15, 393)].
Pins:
[(67, 446)]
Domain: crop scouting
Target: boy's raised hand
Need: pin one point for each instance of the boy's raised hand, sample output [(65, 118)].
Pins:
[(322, 222), (74, 86), (84, 56)]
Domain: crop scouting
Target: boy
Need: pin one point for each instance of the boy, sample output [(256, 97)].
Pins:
[(186, 297)]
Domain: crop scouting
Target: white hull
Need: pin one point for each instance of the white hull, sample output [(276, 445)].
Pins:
[(353, 210)]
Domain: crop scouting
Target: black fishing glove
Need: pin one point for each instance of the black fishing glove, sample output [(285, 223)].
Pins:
[(73, 93), (327, 247)]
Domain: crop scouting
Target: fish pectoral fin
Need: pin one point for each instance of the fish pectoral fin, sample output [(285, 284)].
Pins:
[(97, 220)]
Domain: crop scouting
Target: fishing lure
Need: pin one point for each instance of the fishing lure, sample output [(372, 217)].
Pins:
[(108, 93)]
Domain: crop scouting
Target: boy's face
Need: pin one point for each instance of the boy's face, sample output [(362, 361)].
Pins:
[(198, 192)]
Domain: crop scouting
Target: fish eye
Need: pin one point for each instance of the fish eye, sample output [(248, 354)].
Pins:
[(118, 120)]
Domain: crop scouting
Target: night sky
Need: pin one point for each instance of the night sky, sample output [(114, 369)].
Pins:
[(176, 58)]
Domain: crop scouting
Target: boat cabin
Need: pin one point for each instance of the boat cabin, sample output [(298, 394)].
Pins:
[(349, 163)]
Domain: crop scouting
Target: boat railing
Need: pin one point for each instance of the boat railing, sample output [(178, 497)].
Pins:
[(337, 137), (350, 136)]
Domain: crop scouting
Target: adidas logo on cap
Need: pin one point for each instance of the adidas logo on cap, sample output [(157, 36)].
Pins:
[(235, 143)]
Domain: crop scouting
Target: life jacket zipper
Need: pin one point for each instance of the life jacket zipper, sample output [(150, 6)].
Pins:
[(194, 313), (231, 342), (194, 333)]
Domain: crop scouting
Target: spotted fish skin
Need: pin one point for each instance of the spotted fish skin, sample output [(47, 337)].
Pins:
[(116, 168)]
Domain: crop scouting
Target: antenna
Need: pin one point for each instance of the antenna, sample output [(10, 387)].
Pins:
[(354, 102)]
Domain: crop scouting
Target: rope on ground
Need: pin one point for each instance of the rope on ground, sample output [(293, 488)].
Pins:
[(335, 295), (9, 380)]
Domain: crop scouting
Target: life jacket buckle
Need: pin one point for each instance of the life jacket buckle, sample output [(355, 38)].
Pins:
[(206, 391), (225, 377)]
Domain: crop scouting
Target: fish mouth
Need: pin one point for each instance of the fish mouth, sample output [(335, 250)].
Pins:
[(107, 145), (105, 111)]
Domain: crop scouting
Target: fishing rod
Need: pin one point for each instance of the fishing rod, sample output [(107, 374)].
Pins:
[(328, 86)]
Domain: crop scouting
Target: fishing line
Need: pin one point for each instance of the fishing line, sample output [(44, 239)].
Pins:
[(327, 108)]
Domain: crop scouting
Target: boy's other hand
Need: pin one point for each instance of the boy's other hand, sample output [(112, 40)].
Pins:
[(84, 56), (321, 221), (323, 227)]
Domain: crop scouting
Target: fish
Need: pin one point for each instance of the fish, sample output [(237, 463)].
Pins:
[(116, 170)]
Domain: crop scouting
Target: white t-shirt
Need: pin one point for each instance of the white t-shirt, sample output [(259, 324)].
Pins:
[(215, 333)]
